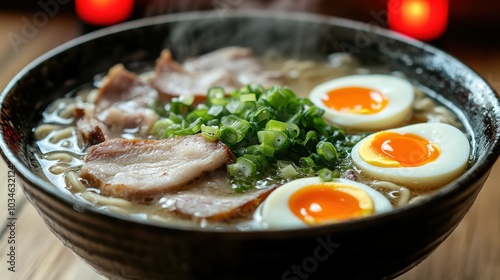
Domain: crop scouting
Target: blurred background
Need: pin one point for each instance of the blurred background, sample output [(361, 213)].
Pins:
[(464, 16), (438, 22), (462, 13), (467, 29)]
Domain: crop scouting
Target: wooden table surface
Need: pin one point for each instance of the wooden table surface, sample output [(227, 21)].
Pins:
[(471, 252)]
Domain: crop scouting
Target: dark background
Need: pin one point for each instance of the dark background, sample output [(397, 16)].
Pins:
[(482, 14), (474, 21)]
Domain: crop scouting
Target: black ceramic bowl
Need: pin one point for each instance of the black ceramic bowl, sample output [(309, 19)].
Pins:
[(382, 246)]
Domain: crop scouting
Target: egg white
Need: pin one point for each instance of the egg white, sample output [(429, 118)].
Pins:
[(452, 161), (276, 214), (398, 91)]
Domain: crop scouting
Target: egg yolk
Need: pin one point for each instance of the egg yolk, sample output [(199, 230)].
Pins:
[(356, 100), (390, 149), (330, 202)]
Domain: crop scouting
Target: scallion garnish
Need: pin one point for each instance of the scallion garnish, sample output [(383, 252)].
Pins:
[(264, 128), (327, 150), (275, 125), (210, 132), (327, 175), (243, 167)]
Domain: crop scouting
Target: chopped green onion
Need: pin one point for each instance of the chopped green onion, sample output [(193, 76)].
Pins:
[(280, 140), (327, 150), (289, 171), (215, 110), (260, 161), (277, 139), (160, 127), (211, 133), (196, 114), (275, 125), (248, 97), (278, 97), (307, 162), (233, 107), (176, 118), (245, 109), (268, 130), (314, 112), (186, 99), (311, 139), (235, 127), (326, 175), (178, 107), (229, 135), (216, 96), (214, 122), (242, 168), (267, 150), (160, 107), (263, 149), (292, 130), (266, 136), (263, 113), (289, 94), (193, 128)]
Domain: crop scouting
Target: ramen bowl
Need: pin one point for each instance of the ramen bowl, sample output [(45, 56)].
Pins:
[(121, 247)]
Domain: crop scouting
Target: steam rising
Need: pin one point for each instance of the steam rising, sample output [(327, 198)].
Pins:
[(159, 7), (189, 38)]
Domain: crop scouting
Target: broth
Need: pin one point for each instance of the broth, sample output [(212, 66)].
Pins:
[(61, 156)]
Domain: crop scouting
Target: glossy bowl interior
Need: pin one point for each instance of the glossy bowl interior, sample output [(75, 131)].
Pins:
[(382, 246)]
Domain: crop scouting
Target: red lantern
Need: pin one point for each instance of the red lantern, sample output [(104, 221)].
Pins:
[(104, 12), (421, 19)]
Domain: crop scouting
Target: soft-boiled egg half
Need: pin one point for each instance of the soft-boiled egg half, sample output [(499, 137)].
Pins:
[(310, 201), (367, 102), (421, 155)]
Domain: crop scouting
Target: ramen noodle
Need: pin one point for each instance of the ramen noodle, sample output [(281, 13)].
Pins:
[(62, 152)]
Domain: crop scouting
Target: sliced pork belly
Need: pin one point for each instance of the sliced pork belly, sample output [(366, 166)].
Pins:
[(126, 115), (89, 130), (173, 80), (230, 68), (138, 170), (212, 198), (122, 103), (233, 59), (121, 85), (239, 62)]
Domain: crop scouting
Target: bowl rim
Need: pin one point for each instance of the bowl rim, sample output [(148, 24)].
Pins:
[(475, 172)]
